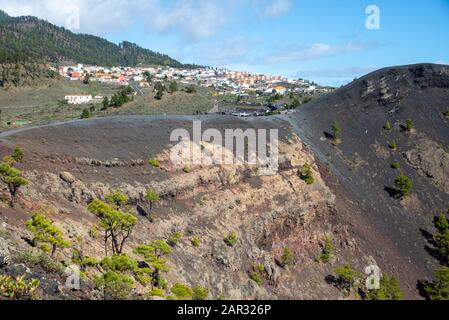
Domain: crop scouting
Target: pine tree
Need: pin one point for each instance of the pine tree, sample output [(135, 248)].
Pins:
[(46, 232)]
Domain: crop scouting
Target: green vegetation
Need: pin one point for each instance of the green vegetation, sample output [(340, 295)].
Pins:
[(117, 225), (347, 278), (86, 114), (387, 126), (186, 169), (396, 165), (119, 263), (256, 278), (154, 253), (393, 145), (18, 288), (29, 38), (390, 289), (156, 292), (13, 178), (439, 288), (336, 132), (18, 154), (174, 238), (200, 293), (154, 163), (173, 87), (42, 260), (403, 185), (287, 258), (446, 113), (190, 89), (122, 97), (306, 174), (152, 197), (115, 285), (326, 252), (195, 241), (408, 126), (231, 239), (441, 238), (117, 198), (45, 232), (182, 291)]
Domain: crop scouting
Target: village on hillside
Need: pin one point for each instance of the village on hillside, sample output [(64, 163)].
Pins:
[(238, 83)]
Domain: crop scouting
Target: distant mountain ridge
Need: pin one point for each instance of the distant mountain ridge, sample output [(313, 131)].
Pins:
[(29, 38)]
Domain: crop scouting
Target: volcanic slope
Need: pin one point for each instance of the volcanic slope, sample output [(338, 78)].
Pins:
[(362, 162)]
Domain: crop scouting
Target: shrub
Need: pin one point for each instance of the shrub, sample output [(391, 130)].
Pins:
[(42, 260), (446, 113), (196, 241), (174, 238), (439, 288), (396, 165), (18, 288), (191, 89), (256, 278), (403, 185), (89, 262), (93, 232), (392, 145), (387, 126), (390, 289), (152, 197), (408, 126), (231, 239), (153, 253), (287, 258), (86, 114), (347, 278), (441, 238), (186, 169), (18, 154), (326, 253), (119, 263), (336, 131), (182, 291), (156, 292), (117, 198), (115, 285), (306, 174), (154, 163), (200, 293), (46, 233)]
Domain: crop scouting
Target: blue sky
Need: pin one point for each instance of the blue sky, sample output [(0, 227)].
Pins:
[(326, 41)]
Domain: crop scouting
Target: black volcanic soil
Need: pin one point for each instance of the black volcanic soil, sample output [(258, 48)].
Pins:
[(362, 162)]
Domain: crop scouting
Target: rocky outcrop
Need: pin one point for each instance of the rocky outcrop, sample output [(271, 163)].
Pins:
[(432, 161)]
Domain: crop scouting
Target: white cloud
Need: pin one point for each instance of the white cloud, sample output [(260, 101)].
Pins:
[(442, 62), (192, 19), (277, 7)]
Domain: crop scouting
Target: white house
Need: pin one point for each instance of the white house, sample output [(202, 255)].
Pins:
[(78, 98)]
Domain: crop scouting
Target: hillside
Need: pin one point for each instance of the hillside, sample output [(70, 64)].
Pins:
[(362, 163), (199, 208), (30, 38)]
